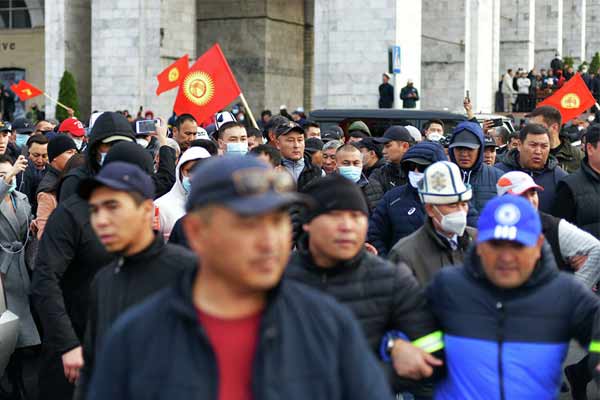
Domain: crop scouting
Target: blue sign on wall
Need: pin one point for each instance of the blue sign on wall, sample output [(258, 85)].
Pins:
[(396, 59)]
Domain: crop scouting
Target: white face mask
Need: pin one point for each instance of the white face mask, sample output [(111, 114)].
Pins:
[(414, 178), (455, 222), (78, 143), (142, 142)]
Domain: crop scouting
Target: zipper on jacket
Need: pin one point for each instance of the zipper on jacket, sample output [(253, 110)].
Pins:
[(119, 265), (500, 309)]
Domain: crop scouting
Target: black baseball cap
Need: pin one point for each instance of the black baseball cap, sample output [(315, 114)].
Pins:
[(489, 141), (243, 184), (121, 176), (395, 132), (334, 133), (312, 145), (5, 126), (284, 129), (22, 125), (465, 139)]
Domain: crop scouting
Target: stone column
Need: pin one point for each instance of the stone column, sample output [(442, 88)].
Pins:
[(592, 44), (574, 29), (352, 39), (517, 34), (548, 31), (408, 37), (480, 51), (132, 41), (68, 47)]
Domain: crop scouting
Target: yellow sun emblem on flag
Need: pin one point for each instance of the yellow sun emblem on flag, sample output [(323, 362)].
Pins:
[(173, 75), (199, 88), (570, 100)]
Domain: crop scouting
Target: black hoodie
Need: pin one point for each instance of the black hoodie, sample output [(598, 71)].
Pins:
[(108, 124)]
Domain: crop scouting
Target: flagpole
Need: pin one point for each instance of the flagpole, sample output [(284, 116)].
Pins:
[(57, 102), (247, 108)]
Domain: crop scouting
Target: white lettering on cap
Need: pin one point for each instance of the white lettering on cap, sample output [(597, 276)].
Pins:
[(505, 232), (507, 214)]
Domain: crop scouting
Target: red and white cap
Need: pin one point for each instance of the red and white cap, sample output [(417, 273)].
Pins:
[(72, 126), (516, 182)]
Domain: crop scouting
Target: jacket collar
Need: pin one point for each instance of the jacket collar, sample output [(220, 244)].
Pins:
[(149, 253), (308, 263), (587, 170), (512, 160)]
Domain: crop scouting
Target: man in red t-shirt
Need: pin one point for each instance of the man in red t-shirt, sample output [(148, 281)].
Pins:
[(233, 329)]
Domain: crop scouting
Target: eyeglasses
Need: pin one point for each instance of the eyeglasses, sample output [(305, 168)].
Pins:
[(255, 181)]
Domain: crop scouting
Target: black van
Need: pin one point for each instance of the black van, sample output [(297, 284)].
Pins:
[(379, 120)]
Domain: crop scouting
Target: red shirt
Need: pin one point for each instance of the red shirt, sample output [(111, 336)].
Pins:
[(234, 342)]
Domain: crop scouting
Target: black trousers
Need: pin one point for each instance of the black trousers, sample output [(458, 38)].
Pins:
[(52, 383)]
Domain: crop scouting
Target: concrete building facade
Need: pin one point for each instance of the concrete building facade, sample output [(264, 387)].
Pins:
[(310, 53)]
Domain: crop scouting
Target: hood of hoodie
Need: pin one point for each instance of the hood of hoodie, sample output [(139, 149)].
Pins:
[(476, 130), (512, 160), (106, 125), (191, 154)]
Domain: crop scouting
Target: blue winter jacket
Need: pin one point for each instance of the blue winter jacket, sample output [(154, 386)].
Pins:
[(508, 344), (309, 347), (482, 177), (400, 211)]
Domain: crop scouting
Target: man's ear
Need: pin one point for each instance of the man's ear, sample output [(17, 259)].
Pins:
[(277, 144), (193, 227), (306, 227)]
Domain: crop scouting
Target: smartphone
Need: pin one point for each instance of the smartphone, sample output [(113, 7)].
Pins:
[(146, 125), (497, 122), (468, 96)]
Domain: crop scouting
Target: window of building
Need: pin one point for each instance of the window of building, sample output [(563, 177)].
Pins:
[(15, 14)]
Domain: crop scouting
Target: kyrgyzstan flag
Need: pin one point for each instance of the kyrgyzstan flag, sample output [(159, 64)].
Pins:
[(171, 76), (208, 86), (572, 99), (25, 90)]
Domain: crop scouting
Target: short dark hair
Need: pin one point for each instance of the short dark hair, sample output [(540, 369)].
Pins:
[(252, 131), (532, 129), (5, 158), (592, 135), (504, 134), (310, 124), (266, 112), (433, 121), (206, 144), (37, 138), (182, 118), (549, 114), (509, 70), (270, 151), (229, 125)]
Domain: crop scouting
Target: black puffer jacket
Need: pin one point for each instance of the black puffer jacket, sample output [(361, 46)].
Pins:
[(382, 296), (123, 283), (389, 176)]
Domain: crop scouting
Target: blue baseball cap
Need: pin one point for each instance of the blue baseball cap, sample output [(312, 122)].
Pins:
[(244, 184), (119, 175), (509, 217)]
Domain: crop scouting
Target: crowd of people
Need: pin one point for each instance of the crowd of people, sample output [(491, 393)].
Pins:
[(521, 90), (298, 261)]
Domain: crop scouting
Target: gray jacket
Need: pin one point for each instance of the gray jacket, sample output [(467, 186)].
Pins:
[(426, 253), (14, 229)]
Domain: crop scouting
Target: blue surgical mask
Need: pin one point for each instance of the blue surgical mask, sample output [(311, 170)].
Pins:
[(239, 148), (186, 183), (13, 185), (21, 139), (351, 172), (102, 157)]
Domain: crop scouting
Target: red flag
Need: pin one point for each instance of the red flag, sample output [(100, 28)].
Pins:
[(208, 86), (572, 99), (171, 76), (25, 90)]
